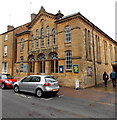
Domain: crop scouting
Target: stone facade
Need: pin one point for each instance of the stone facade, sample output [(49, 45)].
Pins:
[(69, 47)]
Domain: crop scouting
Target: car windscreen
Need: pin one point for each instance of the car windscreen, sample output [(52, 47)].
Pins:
[(7, 77), (50, 79)]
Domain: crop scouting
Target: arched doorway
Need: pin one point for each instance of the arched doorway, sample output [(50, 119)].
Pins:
[(31, 60), (53, 62), (114, 65), (41, 58)]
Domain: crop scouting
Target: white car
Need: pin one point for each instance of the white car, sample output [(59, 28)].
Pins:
[(37, 84)]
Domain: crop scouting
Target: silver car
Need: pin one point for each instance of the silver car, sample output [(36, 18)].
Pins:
[(37, 84)]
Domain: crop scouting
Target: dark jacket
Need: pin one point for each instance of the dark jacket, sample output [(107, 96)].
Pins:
[(105, 76), (113, 75)]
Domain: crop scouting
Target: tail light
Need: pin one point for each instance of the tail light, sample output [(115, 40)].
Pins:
[(46, 84)]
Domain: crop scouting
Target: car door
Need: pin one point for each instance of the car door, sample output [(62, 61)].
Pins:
[(34, 82), (24, 84)]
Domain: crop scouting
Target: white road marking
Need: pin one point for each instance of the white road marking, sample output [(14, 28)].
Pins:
[(29, 97), (23, 95), (16, 94), (46, 99), (105, 103)]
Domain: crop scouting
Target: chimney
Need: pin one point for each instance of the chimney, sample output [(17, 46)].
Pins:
[(10, 27), (33, 15)]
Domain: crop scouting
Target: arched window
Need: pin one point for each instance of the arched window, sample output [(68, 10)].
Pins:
[(86, 43), (21, 63), (89, 45), (111, 53), (54, 37), (22, 45), (37, 38), (68, 56), (105, 52), (32, 40), (67, 34), (98, 49), (42, 37), (48, 36)]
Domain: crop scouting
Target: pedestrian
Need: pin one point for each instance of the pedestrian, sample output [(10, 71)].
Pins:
[(113, 76), (105, 78)]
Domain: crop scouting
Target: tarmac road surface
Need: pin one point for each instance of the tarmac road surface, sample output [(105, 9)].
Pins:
[(23, 105)]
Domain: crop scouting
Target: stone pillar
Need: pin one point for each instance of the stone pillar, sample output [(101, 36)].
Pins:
[(54, 66), (47, 67), (36, 71)]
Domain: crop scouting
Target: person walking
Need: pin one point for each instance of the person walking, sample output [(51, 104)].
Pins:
[(105, 78), (113, 76)]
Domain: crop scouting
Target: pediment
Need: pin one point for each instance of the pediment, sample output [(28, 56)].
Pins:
[(41, 13)]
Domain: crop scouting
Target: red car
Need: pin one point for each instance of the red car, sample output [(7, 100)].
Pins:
[(6, 81)]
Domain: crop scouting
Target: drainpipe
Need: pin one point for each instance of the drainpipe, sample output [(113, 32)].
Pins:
[(13, 51), (94, 63)]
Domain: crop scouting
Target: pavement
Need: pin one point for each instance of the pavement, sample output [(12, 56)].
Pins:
[(100, 93)]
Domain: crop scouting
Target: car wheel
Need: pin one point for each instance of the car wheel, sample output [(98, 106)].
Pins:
[(16, 89), (3, 86), (39, 93)]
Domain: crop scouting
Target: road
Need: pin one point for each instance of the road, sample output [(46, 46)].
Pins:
[(24, 105)]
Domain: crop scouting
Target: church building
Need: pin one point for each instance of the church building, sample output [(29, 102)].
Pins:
[(71, 48)]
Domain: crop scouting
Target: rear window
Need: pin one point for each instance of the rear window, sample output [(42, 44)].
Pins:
[(50, 79), (6, 77)]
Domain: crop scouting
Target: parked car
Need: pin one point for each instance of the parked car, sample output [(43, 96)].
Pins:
[(37, 84), (6, 81)]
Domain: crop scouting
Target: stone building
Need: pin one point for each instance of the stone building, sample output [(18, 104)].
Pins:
[(69, 47), (7, 50)]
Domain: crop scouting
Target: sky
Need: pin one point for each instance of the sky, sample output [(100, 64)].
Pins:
[(99, 12)]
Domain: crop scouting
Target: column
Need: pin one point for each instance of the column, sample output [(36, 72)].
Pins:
[(36, 68), (47, 67)]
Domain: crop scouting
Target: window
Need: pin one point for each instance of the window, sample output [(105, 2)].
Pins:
[(115, 50), (67, 34), (4, 67), (54, 37), (105, 51), (68, 60), (5, 50), (42, 37), (86, 43), (27, 79), (22, 44), (89, 45), (98, 49), (32, 40), (37, 38), (35, 79), (21, 63), (48, 36), (6, 38), (111, 54)]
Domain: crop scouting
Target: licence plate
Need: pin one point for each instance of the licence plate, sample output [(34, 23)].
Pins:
[(55, 89)]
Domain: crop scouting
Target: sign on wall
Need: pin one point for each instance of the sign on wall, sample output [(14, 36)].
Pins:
[(25, 68), (75, 68), (89, 71), (61, 68), (17, 69)]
